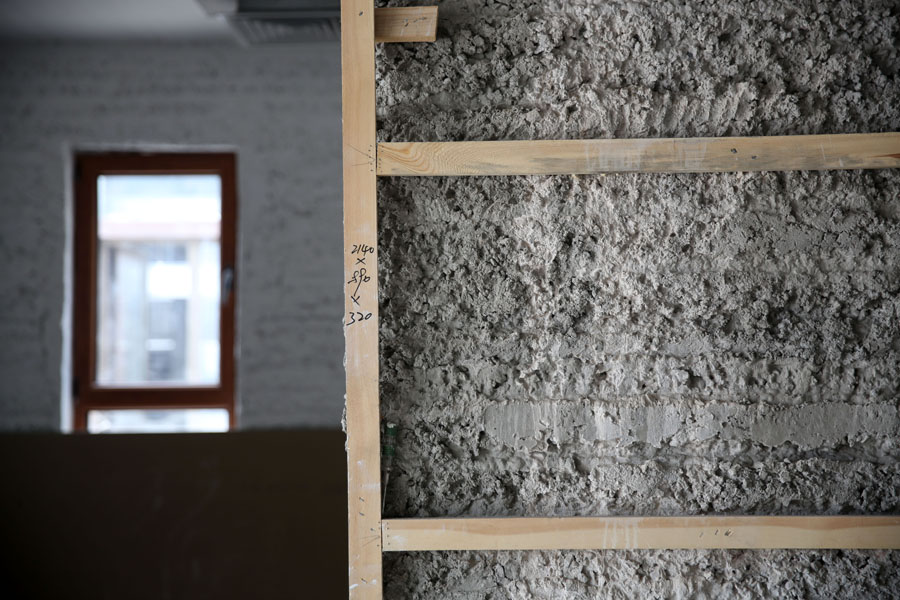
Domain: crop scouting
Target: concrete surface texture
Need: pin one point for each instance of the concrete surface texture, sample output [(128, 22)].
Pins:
[(643, 344), (277, 108)]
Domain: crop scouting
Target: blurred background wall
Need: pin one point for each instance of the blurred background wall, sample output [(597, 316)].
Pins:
[(277, 107)]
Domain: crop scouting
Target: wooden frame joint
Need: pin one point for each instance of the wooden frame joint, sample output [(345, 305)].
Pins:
[(406, 24)]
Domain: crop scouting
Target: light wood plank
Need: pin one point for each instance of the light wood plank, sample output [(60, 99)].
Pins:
[(670, 155), (406, 24), (619, 533), (361, 298)]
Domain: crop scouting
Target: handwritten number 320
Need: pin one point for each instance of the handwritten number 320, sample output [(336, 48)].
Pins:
[(357, 317)]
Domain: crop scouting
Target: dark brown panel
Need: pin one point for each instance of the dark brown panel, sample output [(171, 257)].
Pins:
[(237, 515)]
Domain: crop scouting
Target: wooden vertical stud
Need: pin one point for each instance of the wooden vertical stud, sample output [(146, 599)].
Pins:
[(361, 297)]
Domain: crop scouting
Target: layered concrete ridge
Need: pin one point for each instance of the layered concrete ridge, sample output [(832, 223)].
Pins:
[(643, 344), (526, 425)]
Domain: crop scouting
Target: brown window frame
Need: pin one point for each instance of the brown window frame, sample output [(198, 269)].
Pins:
[(86, 395)]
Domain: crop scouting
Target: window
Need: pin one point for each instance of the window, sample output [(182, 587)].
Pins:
[(154, 292)]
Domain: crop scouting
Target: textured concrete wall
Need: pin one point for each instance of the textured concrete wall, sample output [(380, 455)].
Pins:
[(643, 344), (279, 108)]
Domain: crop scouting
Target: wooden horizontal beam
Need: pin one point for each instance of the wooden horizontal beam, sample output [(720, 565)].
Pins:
[(665, 155), (406, 24), (651, 533)]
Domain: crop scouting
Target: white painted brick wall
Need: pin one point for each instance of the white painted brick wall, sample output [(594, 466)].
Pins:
[(279, 108)]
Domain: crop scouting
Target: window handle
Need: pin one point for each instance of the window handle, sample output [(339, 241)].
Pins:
[(227, 284)]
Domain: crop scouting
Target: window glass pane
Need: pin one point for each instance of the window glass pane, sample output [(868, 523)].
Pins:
[(197, 420), (158, 271)]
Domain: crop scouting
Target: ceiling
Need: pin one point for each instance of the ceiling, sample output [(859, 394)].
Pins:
[(109, 20)]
